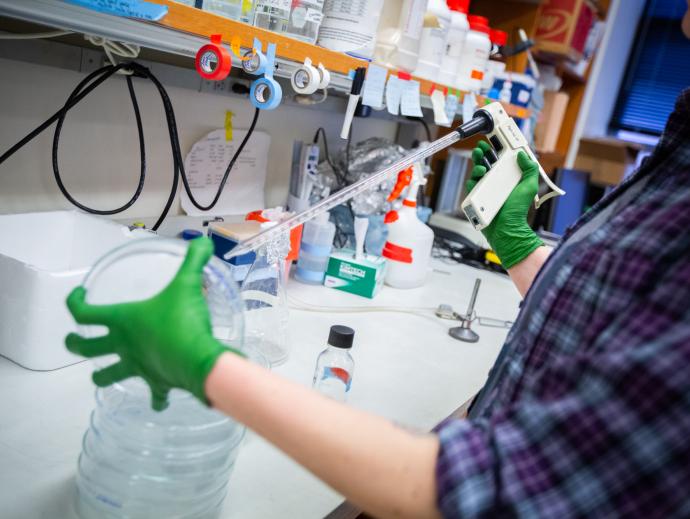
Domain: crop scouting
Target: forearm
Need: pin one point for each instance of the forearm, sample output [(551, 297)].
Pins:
[(381, 468), (523, 273)]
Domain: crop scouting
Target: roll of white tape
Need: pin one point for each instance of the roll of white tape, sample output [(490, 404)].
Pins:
[(306, 78), (325, 76)]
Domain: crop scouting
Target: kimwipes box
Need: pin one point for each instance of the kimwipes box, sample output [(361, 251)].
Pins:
[(563, 26)]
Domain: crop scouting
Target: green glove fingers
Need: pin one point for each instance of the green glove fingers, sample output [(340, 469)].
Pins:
[(198, 254), (90, 347), (85, 313), (167, 339), (159, 399), (509, 234), (111, 374)]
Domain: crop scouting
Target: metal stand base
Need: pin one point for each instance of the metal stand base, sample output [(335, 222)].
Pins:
[(463, 333)]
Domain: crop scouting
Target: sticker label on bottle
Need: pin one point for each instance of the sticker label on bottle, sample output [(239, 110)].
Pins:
[(338, 374), (350, 25), (314, 16), (412, 28), (477, 74), (283, 5)]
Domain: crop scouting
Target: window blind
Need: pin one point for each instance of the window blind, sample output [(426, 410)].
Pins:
[(658, 69)]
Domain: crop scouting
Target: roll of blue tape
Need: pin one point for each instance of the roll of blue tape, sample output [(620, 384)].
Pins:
[(265, 93)]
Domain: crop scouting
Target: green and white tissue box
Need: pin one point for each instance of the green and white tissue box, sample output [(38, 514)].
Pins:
[(363, 277)]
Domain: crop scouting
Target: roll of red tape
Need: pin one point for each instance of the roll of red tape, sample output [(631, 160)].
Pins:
[(213, 61)]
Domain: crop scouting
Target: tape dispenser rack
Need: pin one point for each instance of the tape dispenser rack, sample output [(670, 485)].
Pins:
[(213, 62)]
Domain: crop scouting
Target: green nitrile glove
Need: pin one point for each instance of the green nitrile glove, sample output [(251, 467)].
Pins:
[(166, 340), (509, 234)]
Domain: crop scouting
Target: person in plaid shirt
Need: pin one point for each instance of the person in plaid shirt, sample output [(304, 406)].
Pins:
[(586, 412)]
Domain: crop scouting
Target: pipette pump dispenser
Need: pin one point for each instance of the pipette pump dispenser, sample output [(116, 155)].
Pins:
[(503, 172), (408, 248)]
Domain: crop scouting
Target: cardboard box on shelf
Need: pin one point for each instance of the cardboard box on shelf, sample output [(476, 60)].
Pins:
[(563, 27), (607, 160), (549, 125)]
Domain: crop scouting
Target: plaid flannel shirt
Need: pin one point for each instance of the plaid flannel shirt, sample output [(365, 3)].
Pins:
[(588, 414)]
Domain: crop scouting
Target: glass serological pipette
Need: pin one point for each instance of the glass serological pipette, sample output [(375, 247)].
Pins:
[(480, 123)]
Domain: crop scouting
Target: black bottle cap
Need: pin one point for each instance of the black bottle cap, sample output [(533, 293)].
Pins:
[(341, 336)]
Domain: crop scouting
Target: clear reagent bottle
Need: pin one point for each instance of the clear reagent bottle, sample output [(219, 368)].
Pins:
[(335, 366)]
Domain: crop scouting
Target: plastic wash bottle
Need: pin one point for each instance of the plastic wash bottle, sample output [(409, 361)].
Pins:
[(408, 248)]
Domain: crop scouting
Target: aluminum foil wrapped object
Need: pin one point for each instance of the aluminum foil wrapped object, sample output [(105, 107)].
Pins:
[(366, 157)]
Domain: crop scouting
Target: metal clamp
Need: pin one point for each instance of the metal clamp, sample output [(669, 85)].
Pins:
[(464, 332)]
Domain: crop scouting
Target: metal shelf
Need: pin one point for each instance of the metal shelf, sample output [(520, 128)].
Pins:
[(185, 29)]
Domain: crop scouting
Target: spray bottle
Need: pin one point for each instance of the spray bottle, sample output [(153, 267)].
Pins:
[(408, 248)]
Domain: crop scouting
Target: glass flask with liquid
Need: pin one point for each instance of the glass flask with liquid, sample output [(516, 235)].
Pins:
[(263, 292), (137, 463)]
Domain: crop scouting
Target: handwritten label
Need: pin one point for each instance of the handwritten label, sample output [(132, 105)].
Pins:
[(451, 106), (409, 101), (374, 85), (393, 95)]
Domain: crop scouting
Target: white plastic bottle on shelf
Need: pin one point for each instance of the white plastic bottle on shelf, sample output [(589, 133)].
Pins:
[(272, 15), (455, 40), (315, 250), (400, 29), (475, 55), (305, 19), (335, 366), (263, 292), (432, 45), (350, 26), (408, 248)]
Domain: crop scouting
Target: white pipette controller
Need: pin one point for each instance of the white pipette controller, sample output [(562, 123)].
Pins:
[(491, 120), (491, 192)]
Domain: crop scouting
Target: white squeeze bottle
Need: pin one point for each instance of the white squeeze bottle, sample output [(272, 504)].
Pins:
[(475, 55), (455, 40), (432, 45), (408, 248)]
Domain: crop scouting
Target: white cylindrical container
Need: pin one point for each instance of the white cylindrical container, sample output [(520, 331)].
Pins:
[(455, 40), (397, 44), (432, 45), (475, 55), (350, 26)]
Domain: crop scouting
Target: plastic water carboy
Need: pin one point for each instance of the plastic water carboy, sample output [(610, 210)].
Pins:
[(137, 463)]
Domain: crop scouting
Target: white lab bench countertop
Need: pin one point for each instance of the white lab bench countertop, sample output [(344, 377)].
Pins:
[(407, 369)]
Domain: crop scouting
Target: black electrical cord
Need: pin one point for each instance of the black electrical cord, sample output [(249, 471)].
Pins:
[(84, 88), (142, 152), (336, 171)]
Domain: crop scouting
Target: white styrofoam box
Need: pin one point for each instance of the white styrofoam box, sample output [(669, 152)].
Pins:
[(43, 256)]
